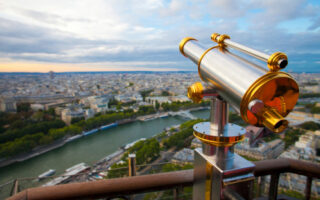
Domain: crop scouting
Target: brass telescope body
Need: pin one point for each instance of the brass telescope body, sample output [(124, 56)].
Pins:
[(242, 83)]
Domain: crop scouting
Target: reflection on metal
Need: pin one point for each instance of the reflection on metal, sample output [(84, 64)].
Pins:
[(239, 82), (132, 164), (263, 98), (231, 135), (182, 43), (276, 61), (217, 167), (196, 92)]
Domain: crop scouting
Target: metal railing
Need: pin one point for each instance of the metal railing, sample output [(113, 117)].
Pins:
[(120, 187)]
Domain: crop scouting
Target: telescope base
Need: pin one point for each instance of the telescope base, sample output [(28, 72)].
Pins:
[(210, 180)]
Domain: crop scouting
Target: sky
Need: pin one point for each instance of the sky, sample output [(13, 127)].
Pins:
[(144, 35)]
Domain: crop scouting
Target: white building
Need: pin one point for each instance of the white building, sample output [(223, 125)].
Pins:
[(160, 100), (96, 103), (37, 107), (264, 151), (124, 98), (137, 97), (89, 113), (68, 114), (304, 149), (185, 156), (181, 98), (8, 105)]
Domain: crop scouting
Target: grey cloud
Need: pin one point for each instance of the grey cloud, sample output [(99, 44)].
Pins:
[(35, 43), (17, 37), (315, 24)]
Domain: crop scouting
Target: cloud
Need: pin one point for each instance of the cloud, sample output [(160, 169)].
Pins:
[(149, 31), (315, 24)]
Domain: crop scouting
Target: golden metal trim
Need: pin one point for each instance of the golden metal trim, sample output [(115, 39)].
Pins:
[(221, 40), (183, 42), (214, 37), (283, 106), (255, 88), (218, 140), (209, 171), (195, 92), (274, 59), (202, 56)]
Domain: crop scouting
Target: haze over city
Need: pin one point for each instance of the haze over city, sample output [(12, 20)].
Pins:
[(115, 35)]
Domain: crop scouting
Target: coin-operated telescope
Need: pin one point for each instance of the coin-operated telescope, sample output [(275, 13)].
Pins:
[(263, 97)]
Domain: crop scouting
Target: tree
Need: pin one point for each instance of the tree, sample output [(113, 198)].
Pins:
[(145, 93), (77, 119), (310, 125), (51, 111), (292, 135), (165, 93), (23, 107), (315, 110), (157, 105), (118, 170)]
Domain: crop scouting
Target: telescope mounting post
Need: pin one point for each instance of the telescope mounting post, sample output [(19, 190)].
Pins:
[(217, 167)]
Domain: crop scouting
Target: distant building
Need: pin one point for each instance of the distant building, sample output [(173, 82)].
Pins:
[(137, 97), (264, 150), (58, 110), (89, 113), (124, 98), (196, 143), (254, 134), (96, 103), (181, 98), (55, 104), (8, 105), (68, 114), (185, 156), (304, 149), (160, 100), (37, 107), (51, 74)]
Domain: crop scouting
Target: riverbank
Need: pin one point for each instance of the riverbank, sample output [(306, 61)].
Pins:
[(89, 149), (34, 153), (56, 144), (59, 143)]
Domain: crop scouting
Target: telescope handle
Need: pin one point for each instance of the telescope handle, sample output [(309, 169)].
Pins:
[(276, 61), (196, 92)]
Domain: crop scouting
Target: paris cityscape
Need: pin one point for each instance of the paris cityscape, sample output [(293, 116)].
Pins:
[(72, 105), (160, 99)]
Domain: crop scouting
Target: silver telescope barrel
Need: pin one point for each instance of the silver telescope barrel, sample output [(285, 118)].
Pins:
[(224, 70), (275, 61), (245, 85)]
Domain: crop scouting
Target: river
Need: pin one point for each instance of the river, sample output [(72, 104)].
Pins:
[(91, 148)]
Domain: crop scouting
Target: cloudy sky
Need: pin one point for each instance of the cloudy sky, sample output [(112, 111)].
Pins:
[(122, 35)]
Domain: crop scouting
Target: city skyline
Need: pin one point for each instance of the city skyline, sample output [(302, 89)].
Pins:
[(40, 36)]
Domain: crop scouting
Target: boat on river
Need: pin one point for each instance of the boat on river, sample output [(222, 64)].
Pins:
[(48, 173), (90, 132), (108, 126)]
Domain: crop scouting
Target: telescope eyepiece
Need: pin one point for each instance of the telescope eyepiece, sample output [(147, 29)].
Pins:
[(282, 63)]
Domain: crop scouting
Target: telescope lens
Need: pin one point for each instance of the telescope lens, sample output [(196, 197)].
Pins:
[(278, 124), (283, 63)]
